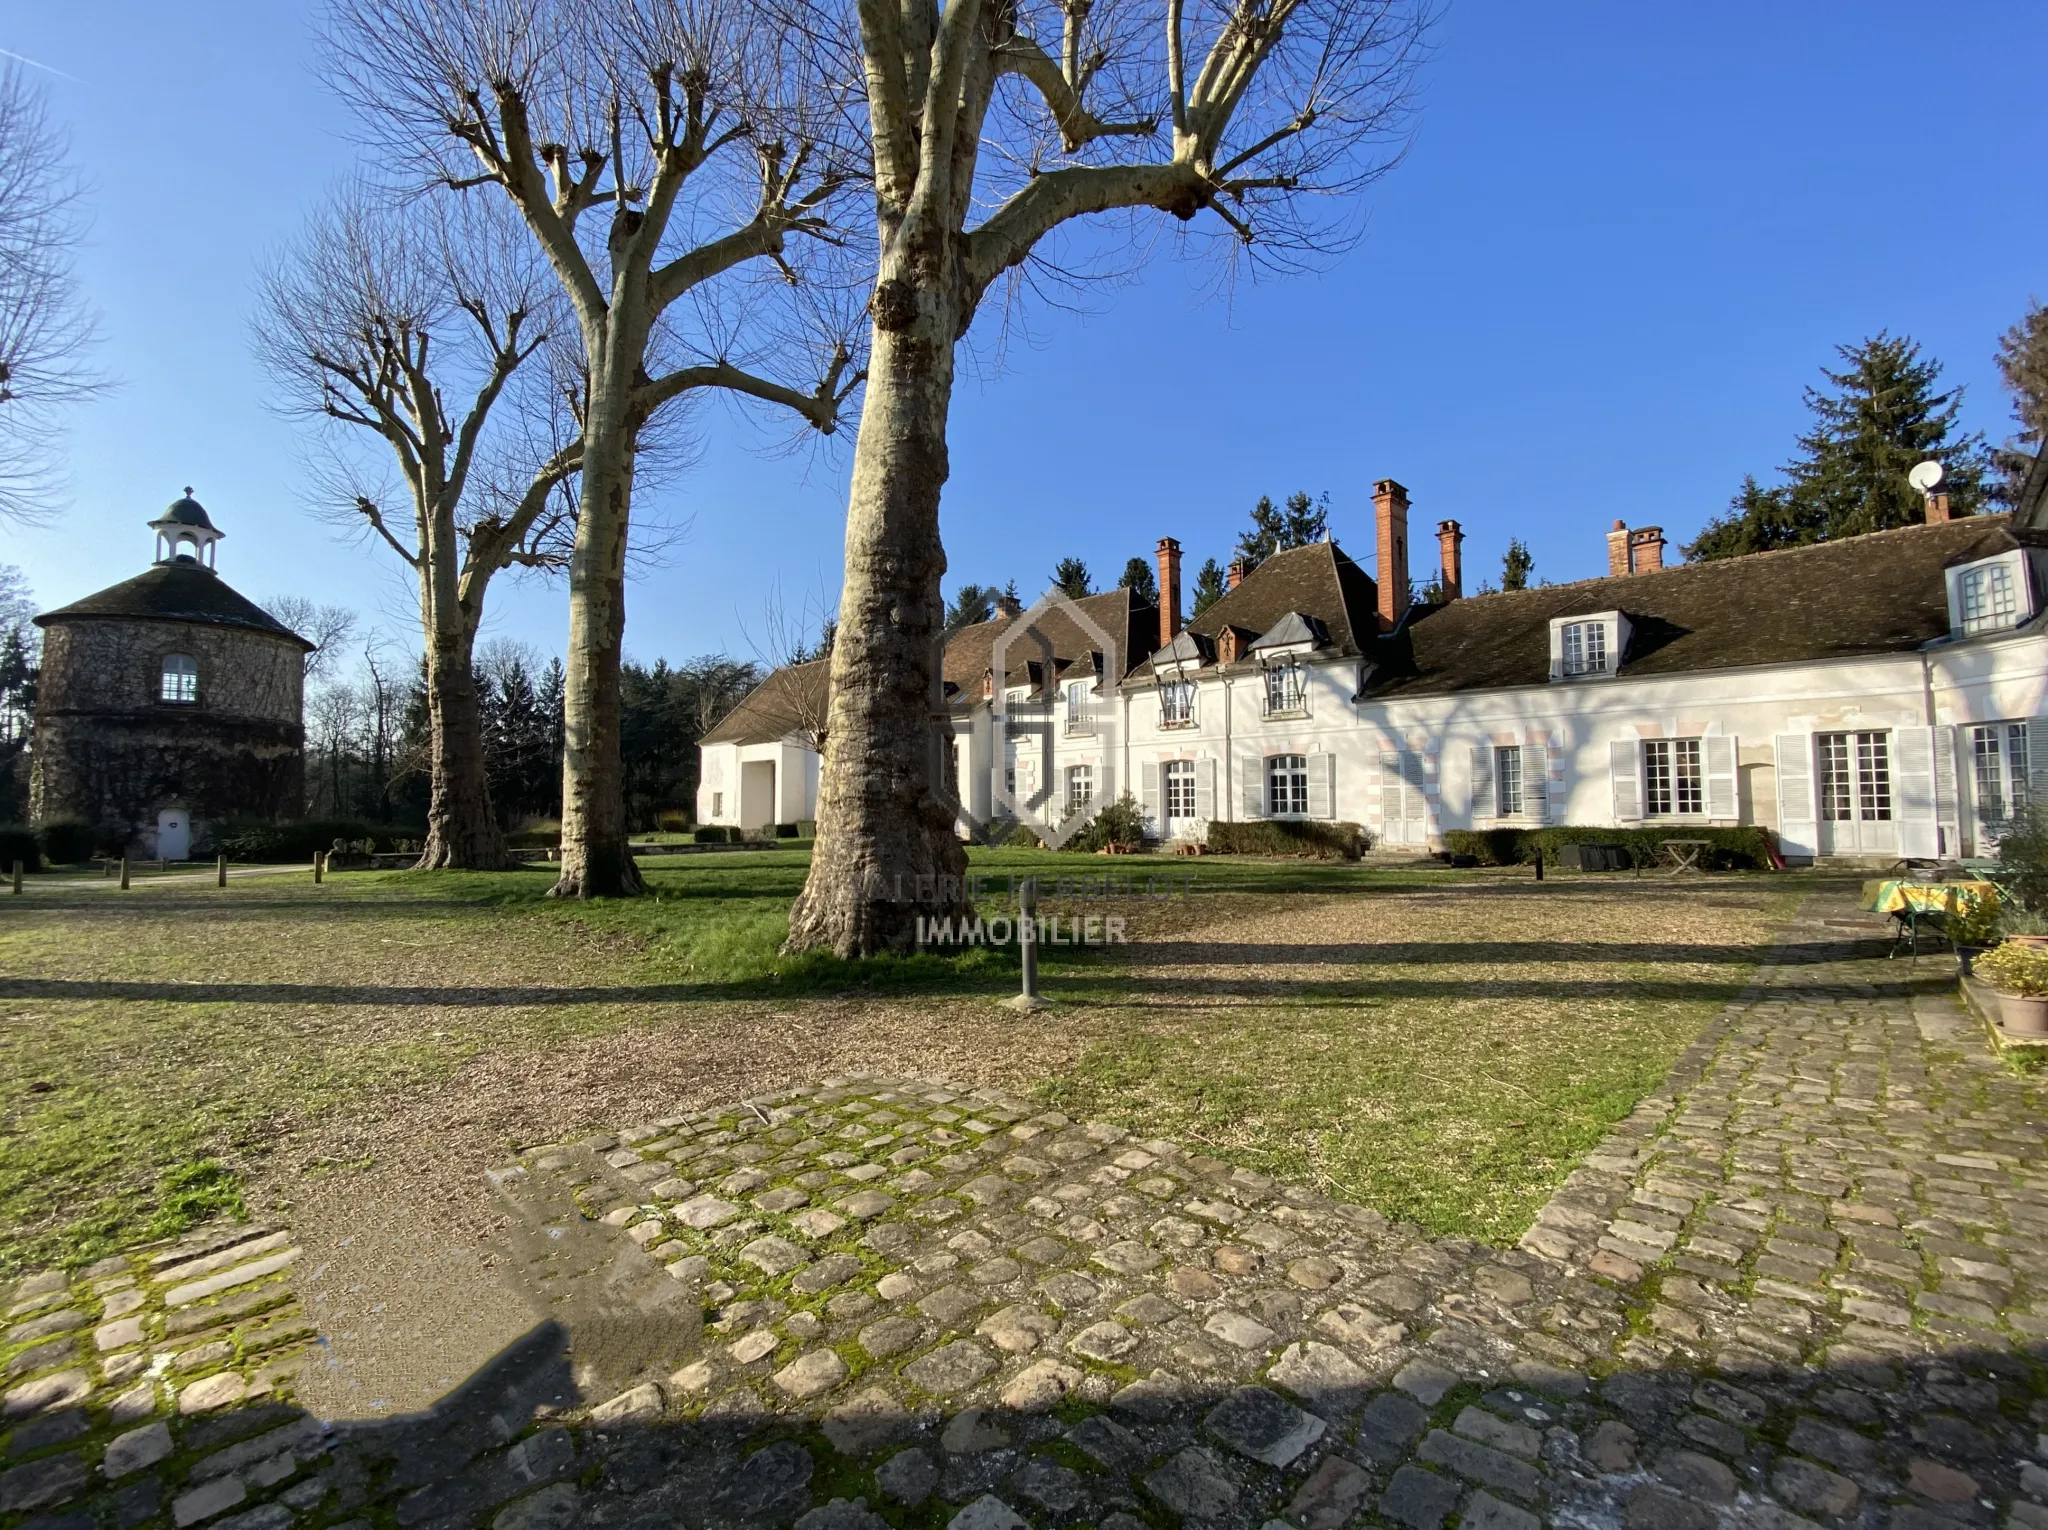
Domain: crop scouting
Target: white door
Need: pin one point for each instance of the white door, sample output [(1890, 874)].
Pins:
[(173, 835), (1853, 782), (1178, 790)]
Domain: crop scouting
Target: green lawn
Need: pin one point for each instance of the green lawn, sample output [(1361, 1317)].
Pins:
[(1442, 1045)]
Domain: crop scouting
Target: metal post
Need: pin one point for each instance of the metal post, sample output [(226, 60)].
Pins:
[(1539, 865), (106, 869), (221, 871), (1027, 948), (17, 879), (124, 873), (319, 866)]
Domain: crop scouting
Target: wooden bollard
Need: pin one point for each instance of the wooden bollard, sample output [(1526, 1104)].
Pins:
[(17, 879), (124, 873), (221, 871), (319, 867)]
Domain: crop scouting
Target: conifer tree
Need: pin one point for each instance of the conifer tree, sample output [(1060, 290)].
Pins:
[(1139, 580), (2023, 364), (1885, 414), (1208, 585), (1515, 566), (1070, 576)]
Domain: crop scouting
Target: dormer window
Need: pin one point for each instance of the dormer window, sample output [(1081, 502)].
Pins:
[(1587, 647), (179, 682), (1991, 596), (1286, 689), (1080, 714)]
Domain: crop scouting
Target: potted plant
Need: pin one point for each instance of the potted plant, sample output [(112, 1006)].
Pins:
[(1973, 929), (2019, 975), (2023, 927)]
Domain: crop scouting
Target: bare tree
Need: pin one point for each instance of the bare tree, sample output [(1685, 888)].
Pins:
[(371, 324), (992, 124), (327, 628), (631, 137), (44, 327)]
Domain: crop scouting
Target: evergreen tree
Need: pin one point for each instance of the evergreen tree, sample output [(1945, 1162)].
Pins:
[(1139, 580), (1885, 415), (2023, 364), (1070, 577), (1269, 529), (1307, 520), (1516, 565), (1208, 585), (972, 604)]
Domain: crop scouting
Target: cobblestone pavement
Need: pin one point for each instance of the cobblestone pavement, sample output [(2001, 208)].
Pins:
[(1803, 1284)]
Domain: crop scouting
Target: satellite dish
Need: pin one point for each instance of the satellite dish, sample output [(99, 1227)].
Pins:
[(1925, 476)]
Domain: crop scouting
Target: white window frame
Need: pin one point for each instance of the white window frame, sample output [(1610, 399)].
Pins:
[(1855, 778), (1674, 778), (1998, 770), (1080, 782), (718, 805), (1080, 710), (1285, 690), (178, 687), (1287, 786), (1177, 703), (1507, 803), (2003, 616), (1177, 789), (1613, 641)]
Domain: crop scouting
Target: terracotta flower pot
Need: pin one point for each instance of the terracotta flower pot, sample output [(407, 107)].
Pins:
[(2023, 1014), (2027, 940)]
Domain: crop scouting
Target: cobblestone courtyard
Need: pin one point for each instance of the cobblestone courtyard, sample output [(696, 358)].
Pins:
[(1805, 1283)]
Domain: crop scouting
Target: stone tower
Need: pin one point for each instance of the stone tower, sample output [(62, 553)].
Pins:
[(168, 703)]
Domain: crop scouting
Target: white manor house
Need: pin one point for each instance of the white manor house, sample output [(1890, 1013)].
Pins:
[(1874, 697)]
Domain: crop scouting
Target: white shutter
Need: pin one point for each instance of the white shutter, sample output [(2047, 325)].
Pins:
[(1625, 769), (2037, 759), (1149, 797), (1724, 798), (1798, 821), (1482, 783), (1947, 802), (1416, 797), (1251, 769), (1536, 800), (1105, 784), (1205, 790), (1322, 786), (1393, 812), (1913, 793)]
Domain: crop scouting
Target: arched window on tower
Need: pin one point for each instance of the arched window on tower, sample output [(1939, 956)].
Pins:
[(180, 680)]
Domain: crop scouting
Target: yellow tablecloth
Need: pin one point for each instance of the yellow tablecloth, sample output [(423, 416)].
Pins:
[(1897, 896)]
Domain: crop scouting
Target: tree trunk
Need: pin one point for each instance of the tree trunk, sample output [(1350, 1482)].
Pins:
[(462, 826), (595, 860), (887, 851)]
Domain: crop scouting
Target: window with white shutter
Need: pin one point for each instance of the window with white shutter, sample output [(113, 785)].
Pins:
[(1798, 818), (1482, 783), (1625, 771)]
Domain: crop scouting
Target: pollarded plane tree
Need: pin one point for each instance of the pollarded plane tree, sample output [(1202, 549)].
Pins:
[(417, 323), (991, 125), (657, 158)]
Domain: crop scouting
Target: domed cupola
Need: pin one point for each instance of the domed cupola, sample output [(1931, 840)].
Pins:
[(184, 533)]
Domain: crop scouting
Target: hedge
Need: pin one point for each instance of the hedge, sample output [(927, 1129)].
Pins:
[(535, 837), (1747, 848), (302, 840), (18, 843), (1290, 836), (785, 831), (67, 842), (712, 834)]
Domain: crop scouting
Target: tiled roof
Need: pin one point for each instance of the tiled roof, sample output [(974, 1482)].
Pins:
[(176, 592), (1318, 580), (791, 700), (1881, 593)]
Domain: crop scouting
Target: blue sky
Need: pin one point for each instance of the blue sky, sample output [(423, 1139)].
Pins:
[(1626, 238)]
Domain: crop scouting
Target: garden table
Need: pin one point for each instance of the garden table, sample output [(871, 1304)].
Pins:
[(1909, 903), (1683, 854)]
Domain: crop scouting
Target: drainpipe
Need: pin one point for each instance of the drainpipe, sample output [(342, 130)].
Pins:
[(1229, 786)]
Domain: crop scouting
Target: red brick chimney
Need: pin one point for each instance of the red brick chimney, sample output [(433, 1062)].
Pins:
[(1646, 549), (1449, 536), (1937, 507), (1617, 550), (1169, 590), (1390, 504), (1236, 575), (1009, 606)]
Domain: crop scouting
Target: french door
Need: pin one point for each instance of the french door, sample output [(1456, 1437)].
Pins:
[(1853, 777)]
